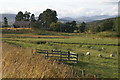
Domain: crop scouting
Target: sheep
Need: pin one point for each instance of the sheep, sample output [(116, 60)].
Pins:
[(103, 48), (112, 55), (88, 53), (91, 47), (53, 50), (100, 55)]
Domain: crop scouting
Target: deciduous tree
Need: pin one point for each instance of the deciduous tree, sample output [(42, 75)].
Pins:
[(19, 16), (26, 16), (82, 27), (47, 17)]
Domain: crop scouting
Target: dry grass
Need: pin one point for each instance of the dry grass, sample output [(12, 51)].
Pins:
[(33, 36), (0, 60), (18, 62), (6, 28)]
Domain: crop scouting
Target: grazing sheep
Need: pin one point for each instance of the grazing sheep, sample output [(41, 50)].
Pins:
[(100, 55), (91, 47), (53, 49), (88, 53), (103, 48), (112, 55)]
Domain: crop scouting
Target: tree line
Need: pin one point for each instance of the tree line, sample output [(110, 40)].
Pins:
[(48, 20)]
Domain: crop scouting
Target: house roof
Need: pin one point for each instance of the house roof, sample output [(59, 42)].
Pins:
[(21, 23)]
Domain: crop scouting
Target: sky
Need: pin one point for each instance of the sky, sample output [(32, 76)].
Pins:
[(64, 8)]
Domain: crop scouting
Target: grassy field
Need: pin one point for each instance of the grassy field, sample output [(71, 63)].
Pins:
[(106, 67)]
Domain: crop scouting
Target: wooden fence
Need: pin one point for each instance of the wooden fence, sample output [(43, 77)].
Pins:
[(61, 56)]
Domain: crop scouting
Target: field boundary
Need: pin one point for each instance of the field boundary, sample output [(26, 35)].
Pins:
[(88, 44), (73, 43)]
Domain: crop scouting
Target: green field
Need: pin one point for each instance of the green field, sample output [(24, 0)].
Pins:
[(106, 67)]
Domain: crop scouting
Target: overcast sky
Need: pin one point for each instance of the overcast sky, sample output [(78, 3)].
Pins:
[(64, 8)]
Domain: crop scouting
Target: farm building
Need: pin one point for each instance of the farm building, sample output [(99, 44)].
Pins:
[(22, 24)]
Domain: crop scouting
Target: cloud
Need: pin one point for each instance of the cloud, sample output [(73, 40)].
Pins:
[(110, 11), (110, 3), (64, 8)]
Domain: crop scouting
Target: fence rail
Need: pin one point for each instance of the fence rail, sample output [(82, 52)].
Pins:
[(61, 56)]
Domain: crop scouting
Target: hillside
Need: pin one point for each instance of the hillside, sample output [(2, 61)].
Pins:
[(99, 21), (85, 18), (110, 24), (22, 63)]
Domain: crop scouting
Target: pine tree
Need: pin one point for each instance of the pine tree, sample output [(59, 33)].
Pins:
[(5, 22), (32, 18)]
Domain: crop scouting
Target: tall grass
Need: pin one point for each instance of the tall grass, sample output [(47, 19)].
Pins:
[(22, 63)]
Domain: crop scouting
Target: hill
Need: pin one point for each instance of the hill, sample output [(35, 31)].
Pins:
[(85, 19), (110, 24)]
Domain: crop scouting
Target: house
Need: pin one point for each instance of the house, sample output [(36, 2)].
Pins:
[(21, 24)]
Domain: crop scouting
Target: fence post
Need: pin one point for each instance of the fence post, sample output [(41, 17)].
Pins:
[(68, 55), (46, 54), (94, 77), (83, 74), (77, 58), (60, 57), (33, 51)]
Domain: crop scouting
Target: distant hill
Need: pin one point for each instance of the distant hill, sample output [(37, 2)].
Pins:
[(66, 19), (85, 19), (10, 17), (110, 24), (98, 22)]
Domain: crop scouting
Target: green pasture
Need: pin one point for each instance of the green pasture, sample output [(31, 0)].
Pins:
[(106, 67)]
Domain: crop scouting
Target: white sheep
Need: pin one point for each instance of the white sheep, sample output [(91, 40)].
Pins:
[(112, 55), (91, 47), (88, 53), (103, 48), (53, 49), (100, 55)]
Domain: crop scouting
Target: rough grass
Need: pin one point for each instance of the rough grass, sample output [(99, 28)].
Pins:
[(20, 62)]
